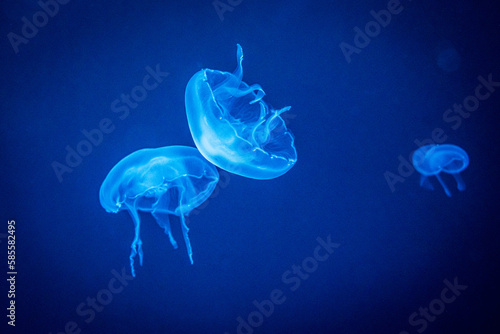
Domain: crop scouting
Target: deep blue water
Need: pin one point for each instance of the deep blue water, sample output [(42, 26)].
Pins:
[(394, 252)]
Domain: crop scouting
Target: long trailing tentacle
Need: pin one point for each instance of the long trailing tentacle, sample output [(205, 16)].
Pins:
[(184, 227), (185, 231), (460, 181), (162, 220), (137, 242), (238, 72), (232, 87), (446, 190)]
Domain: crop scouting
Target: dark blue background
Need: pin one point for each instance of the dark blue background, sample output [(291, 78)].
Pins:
[(351, 122)]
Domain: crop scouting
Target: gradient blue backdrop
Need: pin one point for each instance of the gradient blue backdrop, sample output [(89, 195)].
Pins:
[(351, 122)]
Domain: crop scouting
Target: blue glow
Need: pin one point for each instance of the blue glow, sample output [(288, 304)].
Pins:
[(234, 128), (433, 159), (166, 180)]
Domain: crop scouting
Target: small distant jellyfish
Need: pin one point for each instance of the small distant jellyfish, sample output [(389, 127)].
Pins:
[(164, 181), (234, 128), (447, 57), (431, 160), (449, 60)]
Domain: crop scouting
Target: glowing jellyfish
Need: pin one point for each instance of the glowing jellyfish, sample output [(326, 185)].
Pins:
[(234, 128), (166, 180), (433, 159), (449, 60)]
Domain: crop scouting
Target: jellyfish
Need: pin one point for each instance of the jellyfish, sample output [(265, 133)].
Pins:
[(449, 60), (164, 181), (431, 160), (234, 128), (447, 57)]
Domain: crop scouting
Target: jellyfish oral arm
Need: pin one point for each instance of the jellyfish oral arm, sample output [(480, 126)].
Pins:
[(137, 242), (163, 221), (460, 181), (446, 190), (425, 183), (185, 231)]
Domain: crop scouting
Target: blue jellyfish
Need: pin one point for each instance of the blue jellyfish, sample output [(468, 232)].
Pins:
[(433, 159), (234, 128), (166, 180), (449, 60)]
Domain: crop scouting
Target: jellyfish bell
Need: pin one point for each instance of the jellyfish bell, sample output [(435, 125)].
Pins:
[(234, 128), (164, 181)]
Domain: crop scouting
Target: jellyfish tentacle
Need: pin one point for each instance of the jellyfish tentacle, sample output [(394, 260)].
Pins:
[(230, 86), (258, 91), (163, 221), (137, 242), (446, 190), (460, 181), (228, 92), (185, 231), (271, 124), (282, 110), (425, 183), (139, 250), (238, 72), (261, 133)]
